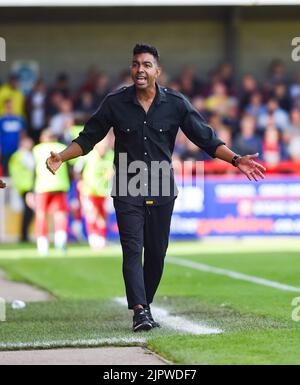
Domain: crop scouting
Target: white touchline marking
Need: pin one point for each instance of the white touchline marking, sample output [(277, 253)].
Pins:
[(231, 274), (176, 322), (71, 343)]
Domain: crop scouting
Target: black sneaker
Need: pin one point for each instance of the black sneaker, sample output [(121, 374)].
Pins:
[(141, 322), (148, 312)]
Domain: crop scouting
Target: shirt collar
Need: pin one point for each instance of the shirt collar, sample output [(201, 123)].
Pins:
[(160, 96)]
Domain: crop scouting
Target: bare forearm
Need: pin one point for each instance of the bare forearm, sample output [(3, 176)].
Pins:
[(71, 152), (224, 153)]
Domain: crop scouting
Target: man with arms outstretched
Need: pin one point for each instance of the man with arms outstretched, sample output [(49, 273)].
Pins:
[(146, 118)]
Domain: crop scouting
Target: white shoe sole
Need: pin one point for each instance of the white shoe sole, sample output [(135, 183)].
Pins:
[(142, 327)]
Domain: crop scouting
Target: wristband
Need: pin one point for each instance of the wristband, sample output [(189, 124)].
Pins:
[(234, 160)]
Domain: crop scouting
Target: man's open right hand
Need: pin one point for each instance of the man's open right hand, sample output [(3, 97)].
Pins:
[(53, 162)]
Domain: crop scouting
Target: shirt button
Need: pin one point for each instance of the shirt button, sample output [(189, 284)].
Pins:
[(165, 89), (160, 130), (145, 184), (145, 169), (145, 122), (145, 137), (128, 129), (146, 153)]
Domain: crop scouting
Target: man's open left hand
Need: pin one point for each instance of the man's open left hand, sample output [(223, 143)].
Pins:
[(252, 169)]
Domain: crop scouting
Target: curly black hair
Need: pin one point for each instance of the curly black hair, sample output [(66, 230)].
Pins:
[(145, 48)]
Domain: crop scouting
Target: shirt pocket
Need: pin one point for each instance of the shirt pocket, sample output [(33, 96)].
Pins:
[(128, 129), (161, 127)]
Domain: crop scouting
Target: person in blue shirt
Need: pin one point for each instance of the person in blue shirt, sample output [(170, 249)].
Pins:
[(248, 139), (11, 131)]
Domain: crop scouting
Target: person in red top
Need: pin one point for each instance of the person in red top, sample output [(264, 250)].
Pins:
[(273, 149)]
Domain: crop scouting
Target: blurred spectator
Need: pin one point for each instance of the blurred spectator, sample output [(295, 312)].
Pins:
[(11, 130), (217, 122), (226, 76), (231, 119), (255, 106), (294, 149), (296, 102), (276, 74), (94, 188), (174, 85), (60, 122), (223, 131), (213, 78), (21, 170), (36, 110), (293, 129), (218, 101), (163, 79), (292, 135), (273, 115), (248, 142), (62, 85), (50, 195), (70, 128), (12, 91), (102, 87), (180, 144), (294, 90), (225, 134), (273, 148), (248, 88), (85, 103), (199, 103), (281, 94), (189, 83), (90, 80), (53, 102), (124, 80)]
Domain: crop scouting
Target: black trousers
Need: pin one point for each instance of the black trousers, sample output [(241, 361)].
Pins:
[(148, 228), (26, 220)]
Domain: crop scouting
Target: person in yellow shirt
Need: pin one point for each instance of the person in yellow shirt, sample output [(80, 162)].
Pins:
[(50, 195), (218, 100), (94, 188), (12, 92), (21, 170)]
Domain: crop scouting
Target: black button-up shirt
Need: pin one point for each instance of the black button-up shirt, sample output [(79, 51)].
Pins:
[(147, 137)]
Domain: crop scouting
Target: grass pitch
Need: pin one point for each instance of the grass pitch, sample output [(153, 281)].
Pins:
[(255, 319)]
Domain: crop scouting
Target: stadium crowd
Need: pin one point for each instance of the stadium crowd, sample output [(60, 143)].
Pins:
[(253, 116), (250, 117)]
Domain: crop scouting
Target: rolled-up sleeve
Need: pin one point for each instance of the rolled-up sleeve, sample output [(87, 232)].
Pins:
[(198, 131), (96, 128)]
